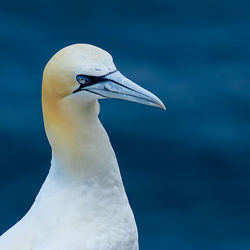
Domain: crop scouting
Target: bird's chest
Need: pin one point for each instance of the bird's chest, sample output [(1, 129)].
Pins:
[(95, 215), (92, 224), (99, 234)]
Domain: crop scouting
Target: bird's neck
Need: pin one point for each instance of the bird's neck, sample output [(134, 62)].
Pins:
[(80, 144), (84, 174)]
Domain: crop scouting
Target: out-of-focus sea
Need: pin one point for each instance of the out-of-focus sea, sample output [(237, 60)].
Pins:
[(186, 170)]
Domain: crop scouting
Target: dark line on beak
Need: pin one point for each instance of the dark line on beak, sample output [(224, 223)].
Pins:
[(149, 100), (107, 74), (95, 93)]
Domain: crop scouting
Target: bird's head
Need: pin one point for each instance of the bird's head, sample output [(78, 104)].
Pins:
[(85, 73), (73, 80)]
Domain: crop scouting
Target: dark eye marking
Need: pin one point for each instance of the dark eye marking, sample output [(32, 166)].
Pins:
[(85, 80)]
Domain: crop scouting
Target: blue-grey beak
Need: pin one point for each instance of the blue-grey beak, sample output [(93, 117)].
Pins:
[(115, 85)]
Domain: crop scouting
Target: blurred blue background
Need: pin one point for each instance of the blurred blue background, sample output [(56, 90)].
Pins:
[(187, 170)]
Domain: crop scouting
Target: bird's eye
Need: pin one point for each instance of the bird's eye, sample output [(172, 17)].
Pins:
[(82, 79)]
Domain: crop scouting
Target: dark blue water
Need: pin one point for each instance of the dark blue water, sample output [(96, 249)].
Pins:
[(187, 170)]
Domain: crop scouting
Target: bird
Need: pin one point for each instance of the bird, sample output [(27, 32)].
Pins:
[(82, 205)]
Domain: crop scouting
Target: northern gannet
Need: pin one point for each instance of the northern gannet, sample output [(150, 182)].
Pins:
[(82, 204)]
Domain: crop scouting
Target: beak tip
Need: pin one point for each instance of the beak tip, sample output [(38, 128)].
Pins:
[(160, 104), (164, 107)]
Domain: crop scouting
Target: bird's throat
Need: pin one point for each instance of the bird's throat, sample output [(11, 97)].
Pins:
[(78, 140)]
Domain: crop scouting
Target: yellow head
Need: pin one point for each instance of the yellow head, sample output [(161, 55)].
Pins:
[(60, 73), (85, 73)]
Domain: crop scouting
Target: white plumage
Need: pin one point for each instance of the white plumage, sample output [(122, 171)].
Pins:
[(82, 205)]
